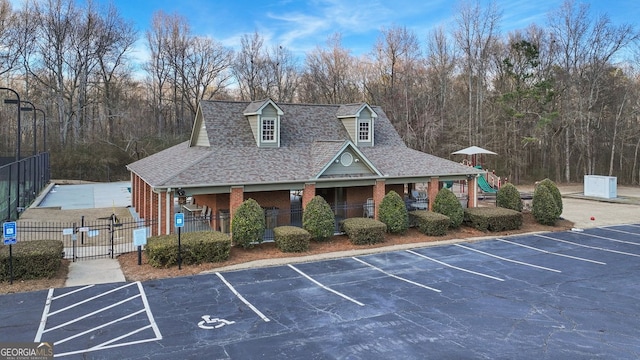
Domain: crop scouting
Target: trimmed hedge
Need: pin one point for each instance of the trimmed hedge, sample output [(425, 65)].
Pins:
[(248, 224), (447, 203), (364, 231), (318, 219), (37, 259), (430, 223), (393, 213), (493, 219), (291, 238), (508, 197), (196, 248), (555, 192), (543, 206)]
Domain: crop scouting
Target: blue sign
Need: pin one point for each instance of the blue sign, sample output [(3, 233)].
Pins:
[(140, 237), (9, 232), (179, 220)]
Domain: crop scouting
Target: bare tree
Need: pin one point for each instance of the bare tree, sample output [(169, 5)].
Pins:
[(476, 36), (250, 67), (328, 75), (206, 70)]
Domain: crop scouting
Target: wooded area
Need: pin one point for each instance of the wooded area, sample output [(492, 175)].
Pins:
[(557, 100)]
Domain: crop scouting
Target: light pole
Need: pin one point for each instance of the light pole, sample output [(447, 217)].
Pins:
[(44, 130), (35, 132), (19, 136), (15, 101)]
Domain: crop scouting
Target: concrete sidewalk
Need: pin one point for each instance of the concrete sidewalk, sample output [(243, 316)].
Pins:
[(97, 271), (576, 208)]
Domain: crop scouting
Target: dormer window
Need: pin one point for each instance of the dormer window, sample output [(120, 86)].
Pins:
[(264, 120), (358, 120), (364, 131), (269, 130)]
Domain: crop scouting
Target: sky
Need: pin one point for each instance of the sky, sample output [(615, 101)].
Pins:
[(301, 26)]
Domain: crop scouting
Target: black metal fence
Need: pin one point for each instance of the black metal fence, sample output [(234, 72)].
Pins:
[(21, 182), (110, 237)]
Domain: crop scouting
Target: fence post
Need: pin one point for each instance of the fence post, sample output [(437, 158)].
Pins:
[(74, 238), (82, 232), (112, 230)]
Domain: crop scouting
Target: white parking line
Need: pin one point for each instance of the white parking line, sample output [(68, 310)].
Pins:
[(397, 277), (233, 290), (90, 299), (553, 253), (610, 239), (454, 267), (46, 314), (325, 287), (587, 246), (509, 260), (620, 231)]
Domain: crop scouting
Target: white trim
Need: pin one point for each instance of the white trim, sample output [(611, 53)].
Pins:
[(262, 130), (168, 211)]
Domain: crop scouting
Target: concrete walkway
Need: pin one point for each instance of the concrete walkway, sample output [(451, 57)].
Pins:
[(98, 271)]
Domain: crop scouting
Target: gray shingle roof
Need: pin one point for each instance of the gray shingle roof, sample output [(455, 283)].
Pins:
[(310, 137)]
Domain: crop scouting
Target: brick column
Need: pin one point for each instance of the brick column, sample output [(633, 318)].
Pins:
[(378, 195), (154, 211), (433, 191), (236, 199), (473, 192), (308, 194), (166, 212)]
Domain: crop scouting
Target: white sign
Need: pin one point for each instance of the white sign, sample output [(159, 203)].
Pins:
[(68, 231), (140, 237)]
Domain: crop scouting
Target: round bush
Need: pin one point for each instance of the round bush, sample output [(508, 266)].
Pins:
[(447, 203), (555, 192), (508, 197), (544, 207), (393, 212), (318, 219), (248, 224)]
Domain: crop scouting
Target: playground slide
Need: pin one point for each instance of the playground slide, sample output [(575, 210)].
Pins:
[(484, 185)]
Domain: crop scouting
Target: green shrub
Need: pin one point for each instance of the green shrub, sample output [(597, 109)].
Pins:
[(447, 203), (318, 219), (555, 192), (364, 231), (393, 213), (37, 259), (195, 248), (508, 197), (248, 224), (544, 208), (430, 223), (291, 238), (493, 219)]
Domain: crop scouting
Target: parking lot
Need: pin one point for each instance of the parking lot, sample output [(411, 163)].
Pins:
[(535, 296)]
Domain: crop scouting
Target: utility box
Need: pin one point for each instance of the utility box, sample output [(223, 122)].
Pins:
[(601, 186), (224, 218)]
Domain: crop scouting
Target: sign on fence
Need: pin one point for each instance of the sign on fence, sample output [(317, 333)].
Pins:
[(9, 232)]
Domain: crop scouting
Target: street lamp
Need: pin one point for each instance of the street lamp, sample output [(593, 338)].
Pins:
[(15, 101), (35, 132), (44, 130)]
